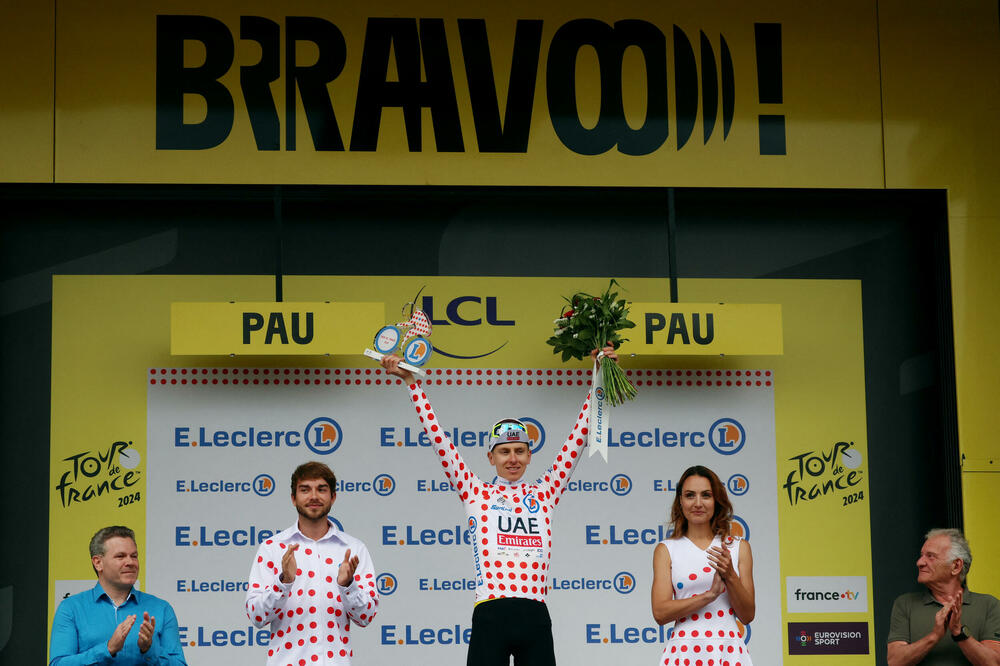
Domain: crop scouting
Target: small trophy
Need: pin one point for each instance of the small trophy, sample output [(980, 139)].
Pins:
[(416, 348)]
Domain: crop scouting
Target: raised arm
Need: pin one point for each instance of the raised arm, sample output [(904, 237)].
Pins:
[(665, 607), (457, 472), (557, 476)]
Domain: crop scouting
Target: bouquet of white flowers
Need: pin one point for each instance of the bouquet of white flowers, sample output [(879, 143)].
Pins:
[(593, 322)]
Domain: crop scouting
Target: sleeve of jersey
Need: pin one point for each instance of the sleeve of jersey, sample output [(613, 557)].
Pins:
[(466, 483), (360, 598), (558, 475), (266, 594)]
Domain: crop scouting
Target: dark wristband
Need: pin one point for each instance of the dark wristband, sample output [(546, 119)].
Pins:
[(962, 635)]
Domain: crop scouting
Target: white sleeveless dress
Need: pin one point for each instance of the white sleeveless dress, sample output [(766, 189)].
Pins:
[(712, 636)]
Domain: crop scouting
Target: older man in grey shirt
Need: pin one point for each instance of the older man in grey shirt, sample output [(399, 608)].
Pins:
[(946, 623)]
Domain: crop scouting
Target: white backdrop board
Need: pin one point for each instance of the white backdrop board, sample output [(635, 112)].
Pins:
[(222, 444)]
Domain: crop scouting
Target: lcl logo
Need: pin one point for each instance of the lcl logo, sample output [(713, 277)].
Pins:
[(466, 311)]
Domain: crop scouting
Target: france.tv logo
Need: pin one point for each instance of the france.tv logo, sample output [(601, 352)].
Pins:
[(386, 584), (263, 485), (323, 435), (624, 582), (727, 436), (738, 484)]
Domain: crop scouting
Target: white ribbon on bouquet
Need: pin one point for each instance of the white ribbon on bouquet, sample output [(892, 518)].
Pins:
[(600, 414)]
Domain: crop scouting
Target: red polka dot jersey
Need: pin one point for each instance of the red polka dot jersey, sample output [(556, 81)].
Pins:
[(711, 636), (311, 617), (510, 522)]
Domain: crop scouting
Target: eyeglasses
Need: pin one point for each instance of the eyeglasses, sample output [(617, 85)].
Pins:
[(504, 427)]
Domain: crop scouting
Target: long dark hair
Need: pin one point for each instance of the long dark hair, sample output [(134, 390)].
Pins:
[(723, 507)]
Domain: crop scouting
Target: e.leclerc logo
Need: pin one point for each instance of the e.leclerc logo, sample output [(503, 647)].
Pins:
[(322, 435), (382, 485), (261, 485), (619, 535), (386, 584), (619, 484), (738, 484), (622, 582), (727, 436), (407, 437)]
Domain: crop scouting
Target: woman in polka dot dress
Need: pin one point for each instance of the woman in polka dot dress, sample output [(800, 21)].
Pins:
[(703, 578)]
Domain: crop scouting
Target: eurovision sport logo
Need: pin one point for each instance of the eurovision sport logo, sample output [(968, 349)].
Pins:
[(827, 638)]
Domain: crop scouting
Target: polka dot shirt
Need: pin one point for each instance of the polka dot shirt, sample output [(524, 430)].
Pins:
[(311, 617), (511, 523)]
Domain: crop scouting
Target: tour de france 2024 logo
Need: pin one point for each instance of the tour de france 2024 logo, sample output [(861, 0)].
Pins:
[(837, 471), (93, 473)]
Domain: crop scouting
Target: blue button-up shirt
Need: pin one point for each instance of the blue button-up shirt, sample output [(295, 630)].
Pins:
[(84, 623)]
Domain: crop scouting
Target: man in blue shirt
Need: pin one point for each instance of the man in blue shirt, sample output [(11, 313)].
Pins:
[(102, 625)]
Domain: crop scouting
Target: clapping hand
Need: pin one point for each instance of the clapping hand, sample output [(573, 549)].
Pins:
[(117, 640), (288, 565), (146, 630), (345, 574)]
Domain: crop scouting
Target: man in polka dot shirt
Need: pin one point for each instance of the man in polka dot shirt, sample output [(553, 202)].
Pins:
[(311, 582), (511, 525)]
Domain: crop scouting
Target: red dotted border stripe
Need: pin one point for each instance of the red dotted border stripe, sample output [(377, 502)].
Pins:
[(448, 377)]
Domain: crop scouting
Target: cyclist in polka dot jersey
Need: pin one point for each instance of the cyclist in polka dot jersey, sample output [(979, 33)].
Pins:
[(311, 582), (703, 577), (511, 522)]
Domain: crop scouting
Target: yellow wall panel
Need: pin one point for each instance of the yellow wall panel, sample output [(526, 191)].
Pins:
[(975, 277), (981, 493), (941, 90), (27, 47)]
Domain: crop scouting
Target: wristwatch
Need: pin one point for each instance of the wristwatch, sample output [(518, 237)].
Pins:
[(961, 635)]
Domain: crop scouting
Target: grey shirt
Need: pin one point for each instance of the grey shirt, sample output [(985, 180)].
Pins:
[(913, 618)]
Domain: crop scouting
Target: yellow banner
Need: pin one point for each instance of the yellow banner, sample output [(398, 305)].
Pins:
[(273, 329), (516, 93), (27, 51), (701, 329)]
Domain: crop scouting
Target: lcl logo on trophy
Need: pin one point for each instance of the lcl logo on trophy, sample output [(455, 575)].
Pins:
[(416, 348)]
